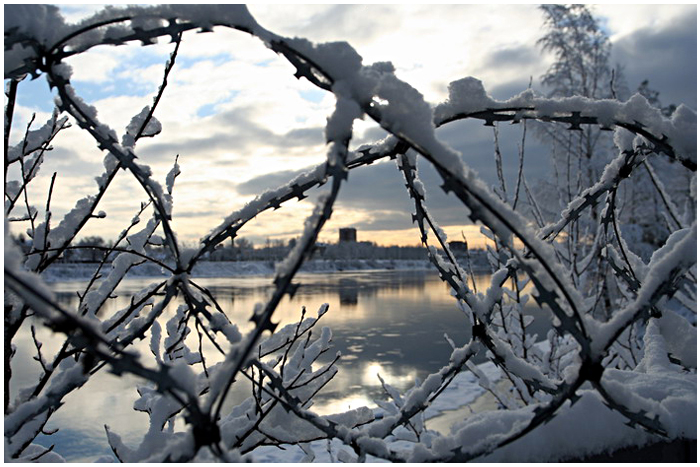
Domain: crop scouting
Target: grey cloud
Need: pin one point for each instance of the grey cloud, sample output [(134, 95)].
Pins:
[(379, 189), (221, 185), (356, 23), (69, 162), (386, 220), (666, 57), (510, 89), (376, 187), (272, 180), (119, 211), (241, 135), (193, 147), (512, 57), (476, 143), (302, 137), (371, 135), (194, 214)]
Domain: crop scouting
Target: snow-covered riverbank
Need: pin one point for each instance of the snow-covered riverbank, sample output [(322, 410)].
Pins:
[(83, 271)]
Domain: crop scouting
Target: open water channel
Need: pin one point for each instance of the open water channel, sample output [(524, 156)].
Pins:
[(390, 323)]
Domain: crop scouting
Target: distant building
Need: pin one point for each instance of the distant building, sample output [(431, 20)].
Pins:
[(348, 234), (458, 246)]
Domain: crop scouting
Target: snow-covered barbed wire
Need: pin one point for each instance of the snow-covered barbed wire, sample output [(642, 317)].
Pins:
[(587, 354)]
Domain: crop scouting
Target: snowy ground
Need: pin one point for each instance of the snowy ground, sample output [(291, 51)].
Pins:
[(581, 430), (584, 429), (469, 414)]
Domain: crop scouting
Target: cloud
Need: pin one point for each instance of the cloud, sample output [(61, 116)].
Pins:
[(378, 191), (194, 214), (73, 13), (98, 64), (445, 42), (303, 137), (241, 136), (69, 161), (665, 55), (510, 57), (378, 186), (385, 220), (373, 198), (620, 20), (242, 123), (360, 24), (505, 91), (272, 180)]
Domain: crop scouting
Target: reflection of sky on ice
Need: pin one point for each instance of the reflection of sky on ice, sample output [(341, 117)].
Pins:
[(387, 323), (104, 400)]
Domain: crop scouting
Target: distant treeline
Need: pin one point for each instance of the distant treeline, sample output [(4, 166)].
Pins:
[(276, 250), (95, 248)]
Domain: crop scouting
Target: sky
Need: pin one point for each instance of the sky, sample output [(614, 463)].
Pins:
[(240, 123)]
